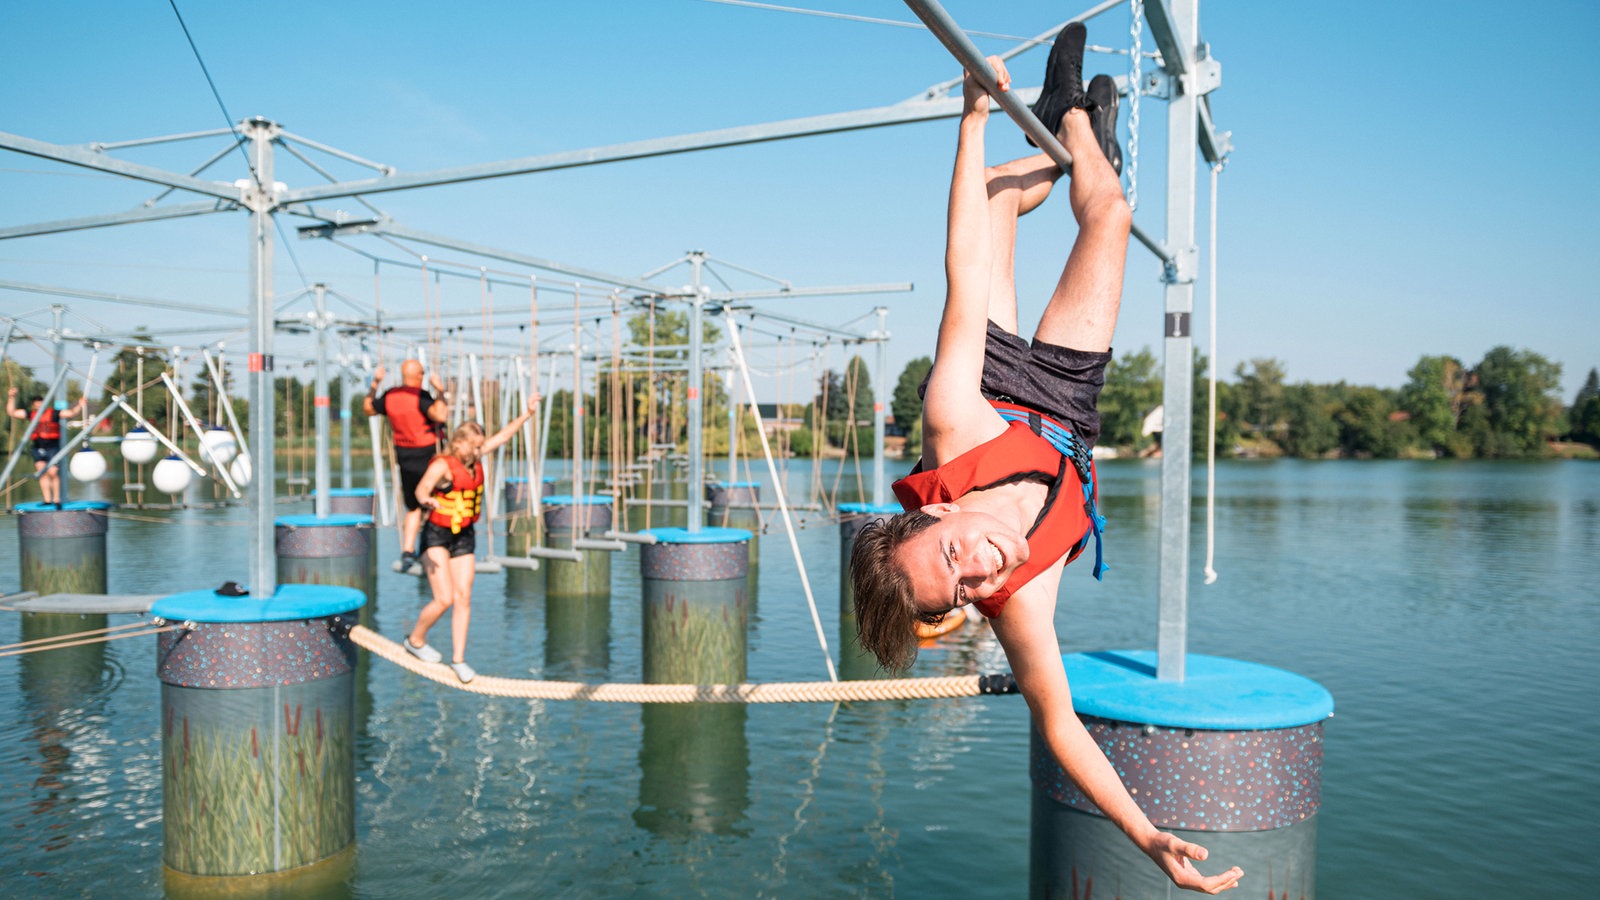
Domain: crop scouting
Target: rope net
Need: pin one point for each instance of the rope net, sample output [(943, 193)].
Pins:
[(777, 692)]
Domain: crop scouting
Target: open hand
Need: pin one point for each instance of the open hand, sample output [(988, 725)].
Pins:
[(1174, 856)]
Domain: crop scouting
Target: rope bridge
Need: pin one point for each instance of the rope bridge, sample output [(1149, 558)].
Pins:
[(778, 692)]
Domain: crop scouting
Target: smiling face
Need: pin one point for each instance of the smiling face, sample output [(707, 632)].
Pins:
[(963, 558), (467, 447)]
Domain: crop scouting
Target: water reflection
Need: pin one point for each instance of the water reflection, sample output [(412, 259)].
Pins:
[(694, 763)]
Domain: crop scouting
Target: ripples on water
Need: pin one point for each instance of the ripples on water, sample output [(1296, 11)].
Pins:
[(1451, 609)]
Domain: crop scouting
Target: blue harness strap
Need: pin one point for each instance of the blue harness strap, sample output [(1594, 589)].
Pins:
[(1068, 445)]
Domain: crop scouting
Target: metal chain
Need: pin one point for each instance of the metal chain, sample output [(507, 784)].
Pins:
[(1135, 79)]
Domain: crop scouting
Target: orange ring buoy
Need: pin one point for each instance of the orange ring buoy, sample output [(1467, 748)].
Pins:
[(952, 620)]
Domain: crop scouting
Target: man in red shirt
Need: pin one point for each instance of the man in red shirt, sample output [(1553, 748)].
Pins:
[(1001, 509), (46, 438), (413, 415)]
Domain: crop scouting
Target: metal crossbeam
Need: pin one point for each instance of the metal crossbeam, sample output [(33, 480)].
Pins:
[(119, 298), (89, 159), (142, 214), (910, 111)]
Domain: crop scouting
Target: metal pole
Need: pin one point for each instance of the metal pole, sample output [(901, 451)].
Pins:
[(733, 420), (697, 475), (346, 383), (882, 337), (263, 483), (58, 337), (1178, 375), (320, 402)]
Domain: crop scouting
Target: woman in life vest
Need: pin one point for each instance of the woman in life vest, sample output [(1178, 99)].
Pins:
[(451, 492), (46, 438)]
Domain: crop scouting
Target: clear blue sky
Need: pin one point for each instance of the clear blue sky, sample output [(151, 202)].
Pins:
[(1409, 178)]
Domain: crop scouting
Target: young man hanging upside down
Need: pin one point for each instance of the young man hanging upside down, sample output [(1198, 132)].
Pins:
[(997, 506)]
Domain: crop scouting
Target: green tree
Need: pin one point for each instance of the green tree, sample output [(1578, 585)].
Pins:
[(906, 406), (858, 383), (1519, 400), (1367, 426), (122, 377), (1434, 396), (1311, 412), (1132, 389), (1584, 416), (1260, 395)]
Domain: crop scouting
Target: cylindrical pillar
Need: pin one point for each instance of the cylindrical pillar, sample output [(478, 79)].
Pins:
[(351, 501), (336, 550), (695, 605), (567, 517), (1230, 758), (62, 550), (523, 530), (734, 505), (855, 664), (257, 742)]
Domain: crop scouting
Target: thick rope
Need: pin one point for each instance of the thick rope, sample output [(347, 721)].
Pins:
[(791, 692)]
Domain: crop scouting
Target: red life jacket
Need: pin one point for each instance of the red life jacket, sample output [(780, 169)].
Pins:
[(49, 427), (1064, 524), (459, 506), (407, 417)]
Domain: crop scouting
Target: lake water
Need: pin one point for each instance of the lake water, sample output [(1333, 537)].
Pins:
[(1453, 610)]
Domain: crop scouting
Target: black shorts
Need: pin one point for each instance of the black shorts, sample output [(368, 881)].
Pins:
[(412, 462), (1060, 382), (463, 543), (44, 450)]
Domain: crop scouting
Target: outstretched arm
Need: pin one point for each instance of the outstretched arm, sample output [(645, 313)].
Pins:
[(1026, 630), (504, 434), (11, 405), (954, 411), (439, 410)]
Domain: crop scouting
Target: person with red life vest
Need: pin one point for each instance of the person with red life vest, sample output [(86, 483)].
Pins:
[(416, 419), (1003, 497), (451, 490), (46, 438)]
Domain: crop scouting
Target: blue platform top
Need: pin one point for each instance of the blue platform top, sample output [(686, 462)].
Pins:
[(69, 506), (735, 484), (291, 602), (1217, 693), (350, 492), (523, 479), (703, 536), (342, 520), (569, 500), (887, 509)]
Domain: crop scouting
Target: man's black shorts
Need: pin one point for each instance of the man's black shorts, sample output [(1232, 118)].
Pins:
[(1060, 382), (463, 544), (44, 450), (413, 462)]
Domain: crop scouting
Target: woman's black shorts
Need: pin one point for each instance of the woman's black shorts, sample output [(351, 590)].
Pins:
[(461, 544)]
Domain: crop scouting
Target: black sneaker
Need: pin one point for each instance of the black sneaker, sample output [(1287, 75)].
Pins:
[(407, 560), (1063, 79), (1103, 118)]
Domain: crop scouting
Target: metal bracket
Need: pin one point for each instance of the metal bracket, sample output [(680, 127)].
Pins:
[(1205, 78), (1182, 267), (1157, 84)]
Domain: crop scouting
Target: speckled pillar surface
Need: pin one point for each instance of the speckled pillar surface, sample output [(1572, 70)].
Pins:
[(566, 518), (62, 551), (695, 605)]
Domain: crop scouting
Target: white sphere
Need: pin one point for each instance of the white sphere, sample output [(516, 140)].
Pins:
[(218, 446), (240, 471), (139, 447), (171, 476), (87, 465)]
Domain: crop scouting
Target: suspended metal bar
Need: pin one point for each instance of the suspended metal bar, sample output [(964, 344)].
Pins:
[(99, 146), (972, 59), (333, 151)]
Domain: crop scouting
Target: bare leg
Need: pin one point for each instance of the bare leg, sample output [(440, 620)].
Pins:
[(1015, 189), (462, 570), (408, 532), (1082, 313), (49, 483), (436, 562)]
